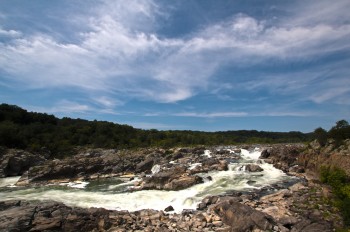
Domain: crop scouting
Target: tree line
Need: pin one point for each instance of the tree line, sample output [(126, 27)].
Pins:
[(338, 133), (40, 131)]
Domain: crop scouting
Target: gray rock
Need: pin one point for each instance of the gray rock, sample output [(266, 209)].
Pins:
[(183, 183), (172, 179), (17, 218), (16, 162), (145, 166), (265, 154), (169, 208), (253, 168), (297, 169), (306, 225), (241, 217)]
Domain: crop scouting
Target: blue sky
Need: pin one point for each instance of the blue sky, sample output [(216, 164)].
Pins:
[(197, 65)]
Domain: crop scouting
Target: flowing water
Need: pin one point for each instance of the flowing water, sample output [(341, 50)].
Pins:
[(115, 194)]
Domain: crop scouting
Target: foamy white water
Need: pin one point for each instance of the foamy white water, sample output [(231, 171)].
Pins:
[(254, 155), (76, 184), (113, 194), (207, 153), (194, 165), (9, 181)]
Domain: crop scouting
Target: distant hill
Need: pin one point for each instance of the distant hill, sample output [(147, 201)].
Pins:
[(39, 131)]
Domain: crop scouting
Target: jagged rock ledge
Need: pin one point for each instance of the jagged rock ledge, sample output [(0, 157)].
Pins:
[(99, 164)]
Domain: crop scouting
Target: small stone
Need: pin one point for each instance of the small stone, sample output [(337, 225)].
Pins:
[(217, 223), (169, 208), (208, 218), (201, 206), (216, 218)]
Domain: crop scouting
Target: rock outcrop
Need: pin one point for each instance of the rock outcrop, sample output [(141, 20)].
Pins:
[(52, 216), (315, 156), (172, 179), (97, 163), (16, 162), (301, 207), (253, 168), (90, 164), (241, 217), (283, 156)]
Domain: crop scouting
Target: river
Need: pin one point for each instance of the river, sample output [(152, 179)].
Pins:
[(115, 194)]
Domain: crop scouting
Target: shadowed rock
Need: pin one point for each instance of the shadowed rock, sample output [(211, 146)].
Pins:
[(173, 179), (145, 166), (242, 218), (16, 162)]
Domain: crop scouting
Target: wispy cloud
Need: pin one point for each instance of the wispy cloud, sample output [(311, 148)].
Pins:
[(63, 106), (285, 114), (9, 33), (107, 101), (246, 114), (211, 115), (118, 54)]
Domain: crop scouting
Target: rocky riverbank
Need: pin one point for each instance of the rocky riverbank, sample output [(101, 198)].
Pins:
[(300, 207), (174, 171)]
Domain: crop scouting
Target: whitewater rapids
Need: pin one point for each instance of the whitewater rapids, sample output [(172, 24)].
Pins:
[(113, 194)]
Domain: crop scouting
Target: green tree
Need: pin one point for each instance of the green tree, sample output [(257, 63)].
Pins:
[(340, 131), (341, 124), (321, 135)]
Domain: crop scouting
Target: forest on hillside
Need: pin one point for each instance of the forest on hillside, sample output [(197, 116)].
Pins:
[(39, 131)]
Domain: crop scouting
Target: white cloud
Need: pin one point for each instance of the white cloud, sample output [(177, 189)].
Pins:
[(108, 102), (212, 115), (331, 90), (122, 54), (326, 82), (247, 114), (64, 106), (41, 62), (286, 114), (310, 12), (9, 33)]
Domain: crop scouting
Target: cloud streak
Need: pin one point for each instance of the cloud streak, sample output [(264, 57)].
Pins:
[(212, 115)]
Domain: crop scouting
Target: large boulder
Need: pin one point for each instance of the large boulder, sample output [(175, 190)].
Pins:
[(265, 154), (172, 179), (243, 218), (283, 156), (277, 196), (253, 168), (16, 217), (16, 162), (51, 216), (145, 166), (183, 182), (210, 164)]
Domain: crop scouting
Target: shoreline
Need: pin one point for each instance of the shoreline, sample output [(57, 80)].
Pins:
[(277, 211)]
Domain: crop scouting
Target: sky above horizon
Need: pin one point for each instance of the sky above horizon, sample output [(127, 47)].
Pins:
[(204, 65)]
